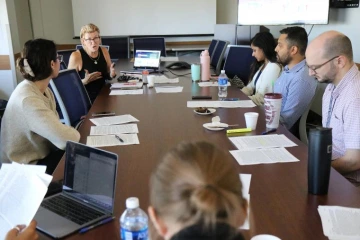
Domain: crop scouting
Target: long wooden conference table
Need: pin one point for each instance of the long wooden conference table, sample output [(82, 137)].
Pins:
[(279, 201)]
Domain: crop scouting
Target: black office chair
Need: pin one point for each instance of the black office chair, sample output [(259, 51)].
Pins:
[(150, 44), (218, 56), (212, 46), (66, 55), (238, 62), (118, 46), (71, 96)]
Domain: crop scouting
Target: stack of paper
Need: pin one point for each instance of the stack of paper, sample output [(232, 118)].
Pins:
[(23, 188), (340, 223), (168, 89), (211, 84), (262, 149), (221, 104), (163, 79), (126, 92), (107, 132), (245, 180), (126, 88)]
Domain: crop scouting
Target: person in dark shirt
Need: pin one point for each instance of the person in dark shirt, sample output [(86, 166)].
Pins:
[(92, 61), (196, 193)]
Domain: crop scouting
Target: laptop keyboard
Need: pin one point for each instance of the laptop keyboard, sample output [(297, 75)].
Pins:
[(70, 209)]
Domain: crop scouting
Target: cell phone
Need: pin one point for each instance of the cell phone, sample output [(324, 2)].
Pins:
[(231, 99), (201, 97), (102, 114)]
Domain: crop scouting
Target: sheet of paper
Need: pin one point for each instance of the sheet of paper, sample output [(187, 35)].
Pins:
[(168, 89), (126, 92), (127, 85), (245, 180), (22, 192), (111, 140), (127, 118), (169, 59), (258, 156), (114, 129), (262, 141), (163, 79), (340, 222), (221, 104), (211, 84)]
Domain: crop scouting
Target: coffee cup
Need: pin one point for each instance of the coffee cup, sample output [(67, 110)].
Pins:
[(272, 106), (251, 119), (150, 80)]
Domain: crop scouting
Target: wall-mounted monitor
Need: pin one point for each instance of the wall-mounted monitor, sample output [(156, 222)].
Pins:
[(282, 12)]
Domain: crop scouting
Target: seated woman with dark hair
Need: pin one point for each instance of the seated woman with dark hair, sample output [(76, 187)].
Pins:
[(265, 70), (196, 193), (92, 61), (31, 130)]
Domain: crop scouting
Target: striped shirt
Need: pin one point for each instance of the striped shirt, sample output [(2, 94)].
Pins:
[(343, 115), (297, 89)]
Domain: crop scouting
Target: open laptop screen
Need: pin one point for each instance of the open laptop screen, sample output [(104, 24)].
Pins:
[(91, 181), (147, 59)]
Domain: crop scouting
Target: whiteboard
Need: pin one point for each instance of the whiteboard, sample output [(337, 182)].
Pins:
[(144, 17)]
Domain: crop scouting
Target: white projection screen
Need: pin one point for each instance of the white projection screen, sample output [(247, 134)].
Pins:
[(145, 17)]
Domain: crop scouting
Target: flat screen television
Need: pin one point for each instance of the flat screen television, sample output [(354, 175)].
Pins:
[(282, 12)]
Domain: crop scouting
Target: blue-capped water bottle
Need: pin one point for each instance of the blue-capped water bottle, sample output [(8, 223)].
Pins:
[(134, 221), (222, 81)]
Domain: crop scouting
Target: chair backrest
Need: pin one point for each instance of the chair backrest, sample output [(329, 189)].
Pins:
[(119, 46), (218, 56), (302, 124), (150, 44), (212, 46), (79, 46), (238, 62), (71, 95), (66, 55)]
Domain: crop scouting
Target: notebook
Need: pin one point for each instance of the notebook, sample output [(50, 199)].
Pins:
[(147, 59), (87, 195)]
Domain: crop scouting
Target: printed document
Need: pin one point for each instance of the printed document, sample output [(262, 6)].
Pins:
[(221, 104), (168, 89), (112, 140), (262, 141), (258, 156), (126, 92), (22, 190), (210, 84), (114, 129), (245, 180), (127, 118), (340, 223), (127, 85), (163, 79)]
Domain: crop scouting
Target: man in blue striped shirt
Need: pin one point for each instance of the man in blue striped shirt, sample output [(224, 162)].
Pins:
[(295, 85)]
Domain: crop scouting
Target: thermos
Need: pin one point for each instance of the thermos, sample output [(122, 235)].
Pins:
[(319, 160), (205, 65)]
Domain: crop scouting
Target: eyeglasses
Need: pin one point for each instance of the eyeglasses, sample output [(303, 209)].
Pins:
[(95, 39), (60, 58), (314, 68)]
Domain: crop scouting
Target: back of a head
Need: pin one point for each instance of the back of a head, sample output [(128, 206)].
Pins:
[(36, 57), (296, 36), (197, 183), (266, 42)]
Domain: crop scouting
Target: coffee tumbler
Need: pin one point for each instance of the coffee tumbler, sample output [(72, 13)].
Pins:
[(272, 105), (319, 160), (195, 72)]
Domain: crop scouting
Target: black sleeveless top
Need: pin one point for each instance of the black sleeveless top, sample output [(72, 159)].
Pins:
[(93, 88)]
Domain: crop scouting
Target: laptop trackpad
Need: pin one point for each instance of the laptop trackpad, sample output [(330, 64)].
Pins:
[(50, 222)]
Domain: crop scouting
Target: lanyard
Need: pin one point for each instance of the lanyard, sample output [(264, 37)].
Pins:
[(331, 108), (256, 79)]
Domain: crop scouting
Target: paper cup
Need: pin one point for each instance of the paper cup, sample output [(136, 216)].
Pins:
[(272, 105), (150, 80), (265, 237), (251, 119)]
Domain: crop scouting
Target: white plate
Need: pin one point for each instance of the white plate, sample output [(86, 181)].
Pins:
[(217, 127), (211, 111)]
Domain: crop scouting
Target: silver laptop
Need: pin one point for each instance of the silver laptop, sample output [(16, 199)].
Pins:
[(147, 59), (87, 195)]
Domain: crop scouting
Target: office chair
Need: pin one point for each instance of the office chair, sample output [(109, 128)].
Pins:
[(212, 46), (218, 55), (150, 44), (238, 62), (119, 46), (66, 55), (79, 46), (71, 95)]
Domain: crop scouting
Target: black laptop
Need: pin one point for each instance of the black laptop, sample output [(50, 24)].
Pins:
[(87, 195)]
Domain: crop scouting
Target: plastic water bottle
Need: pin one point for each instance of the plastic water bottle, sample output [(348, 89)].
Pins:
[(222, 81), (134, 221)]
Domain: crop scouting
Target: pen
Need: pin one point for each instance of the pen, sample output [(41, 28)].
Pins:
[(239, 130), (106, 220), (119, 138), (269, 131)]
